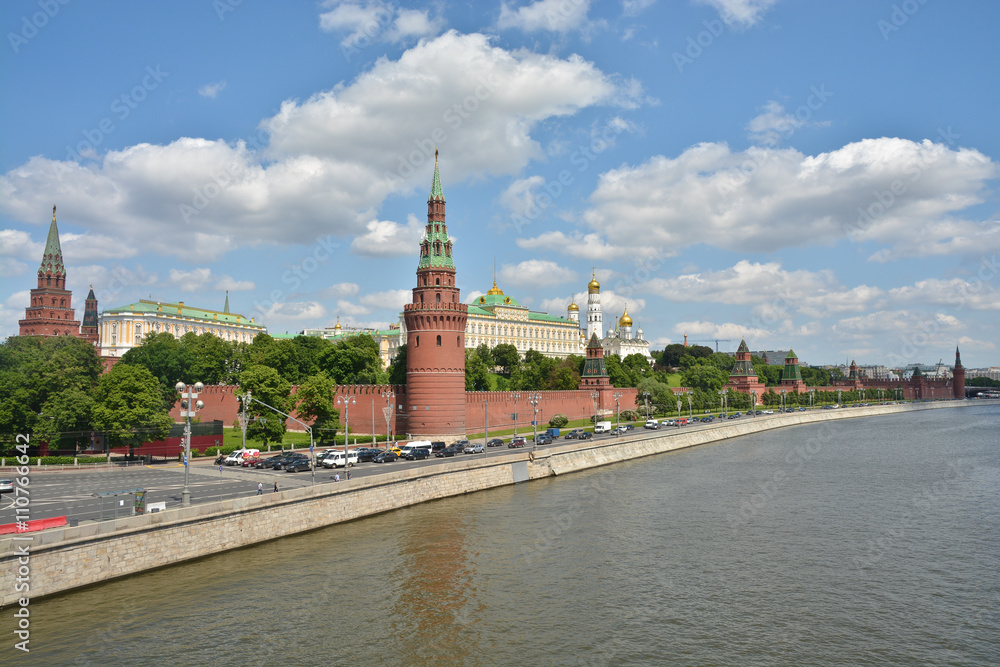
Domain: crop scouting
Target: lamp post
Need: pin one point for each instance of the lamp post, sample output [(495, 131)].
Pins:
[(347, 402), (645, 398), (838, 397), (753, 403), (690, 411), (513, 415), (387, 411), (678, 408), (189, 407), (533, 400), (618, 408), (812, 397), (722, 403), (312, 463), (594, 396), (783, 392)]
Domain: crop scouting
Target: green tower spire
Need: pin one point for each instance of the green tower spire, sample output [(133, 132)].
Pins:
[(225, 308), (436, 191), (52, 259)]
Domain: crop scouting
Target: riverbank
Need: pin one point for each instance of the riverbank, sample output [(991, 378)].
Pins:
[(64, 558)]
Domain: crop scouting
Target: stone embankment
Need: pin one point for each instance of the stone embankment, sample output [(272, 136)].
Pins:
[(64, 558)]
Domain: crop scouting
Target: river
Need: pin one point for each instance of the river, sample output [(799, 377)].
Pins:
[(868, 541)]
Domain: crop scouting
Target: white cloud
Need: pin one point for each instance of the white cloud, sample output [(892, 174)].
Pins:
[(229, 283), (584, 246), (93, 247), (212, 89), (361, 21), (294, 311), (955, 293), (766, 199), (390, 299), (411, 23), (389, 239), (700, 329), (769, 127), (551, 15), (740, 13), (331, 160), (536, 273), (202, 279), (341, 290)]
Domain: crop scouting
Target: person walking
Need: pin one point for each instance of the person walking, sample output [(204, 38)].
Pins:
[(260, 488), (336, 477), (275, 487)]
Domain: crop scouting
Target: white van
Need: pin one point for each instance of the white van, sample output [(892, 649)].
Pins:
[(338, 460), (414, 444), (652, 423), (236, 458), (602, 427)]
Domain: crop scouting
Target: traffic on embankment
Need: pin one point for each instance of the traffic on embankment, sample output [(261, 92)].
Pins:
[(69, 557)]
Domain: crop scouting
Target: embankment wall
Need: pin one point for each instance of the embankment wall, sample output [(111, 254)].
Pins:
[(64, 558)]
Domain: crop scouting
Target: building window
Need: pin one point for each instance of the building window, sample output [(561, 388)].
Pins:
[(439, 341), (418, 342), (458, 341), (439, 297)]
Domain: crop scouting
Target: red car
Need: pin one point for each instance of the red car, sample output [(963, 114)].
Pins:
[(517, 441)]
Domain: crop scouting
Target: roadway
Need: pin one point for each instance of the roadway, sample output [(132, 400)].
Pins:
[(73, 492)]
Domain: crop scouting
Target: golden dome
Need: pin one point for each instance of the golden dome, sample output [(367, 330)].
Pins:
[(593, 286), (572, 305), (494, 289), (337, 327), (625, 320)]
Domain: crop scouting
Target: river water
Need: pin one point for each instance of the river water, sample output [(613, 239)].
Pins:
[(869, 541)]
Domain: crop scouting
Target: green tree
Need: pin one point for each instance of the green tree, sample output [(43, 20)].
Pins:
[(129, 407), (163, 356), (619, 376), (397, 368), (705, 377), (266, 385), (558, 421), (505, 358), (68, 412), (638, 367), (354, 360), (477, 369), (563, 376), (208, 358), (315, 405)]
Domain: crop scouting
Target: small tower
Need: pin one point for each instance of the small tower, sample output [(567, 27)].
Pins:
[(743, 377), (573, 311), (595, 373), (958, 376), (435, 333), (791, 375), (625, 325), (89, 329), (51, 311), (225, 308), (595, 320)]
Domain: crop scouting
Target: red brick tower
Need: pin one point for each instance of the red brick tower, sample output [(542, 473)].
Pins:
[(435, 333), (89, 329), (595, 371), (791, 377), (51, 311), (743, 377), (958, 376)]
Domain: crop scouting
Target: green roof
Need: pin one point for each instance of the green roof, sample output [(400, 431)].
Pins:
[(545, 317), (497, 300), (178, 310), (436, 191), (791, 355), (52, 259)]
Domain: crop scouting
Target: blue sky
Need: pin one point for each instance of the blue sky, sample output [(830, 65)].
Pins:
[(815, 175)]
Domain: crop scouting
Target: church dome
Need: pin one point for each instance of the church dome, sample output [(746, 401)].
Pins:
[(494, 289), (338, 327), (593, 286), (572, 306), (625, 320)]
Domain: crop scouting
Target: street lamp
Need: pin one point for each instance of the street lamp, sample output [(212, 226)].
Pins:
[(645, 397), (513, 415), (387, 411), (678, 408), (189, 407), (618, 408), (753, 403), (783, 392), (690, 411), (812, 397), (533, 400), (722, 403), (838, 397), (347, 402)]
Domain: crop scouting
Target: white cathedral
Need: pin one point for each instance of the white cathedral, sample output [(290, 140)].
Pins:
[(621, 341)]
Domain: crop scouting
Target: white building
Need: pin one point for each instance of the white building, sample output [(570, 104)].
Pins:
[(121, 329)]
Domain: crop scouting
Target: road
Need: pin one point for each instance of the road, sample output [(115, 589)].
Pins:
[(73, 493)]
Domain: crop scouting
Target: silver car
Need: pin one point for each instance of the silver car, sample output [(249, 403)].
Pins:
[(475, 448)]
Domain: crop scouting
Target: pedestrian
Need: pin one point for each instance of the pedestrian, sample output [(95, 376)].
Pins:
[(260, 488), (275, 487), (336, 477), (348, 474)]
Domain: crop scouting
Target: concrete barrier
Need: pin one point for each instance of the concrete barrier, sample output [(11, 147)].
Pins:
[(68, 557)]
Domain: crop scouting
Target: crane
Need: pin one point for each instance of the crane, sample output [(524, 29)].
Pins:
[(715, 340)]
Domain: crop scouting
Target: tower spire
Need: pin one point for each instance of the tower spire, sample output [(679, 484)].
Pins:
[(52, 259), (436, 191), (225, 308)]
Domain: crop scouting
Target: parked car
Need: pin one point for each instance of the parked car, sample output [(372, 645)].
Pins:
[(298, 465), (418, 454), (6, 486), (448, 451), (585, 435), (368, 454), (543, 439), (619, 430), (236, 458), (517, 441), (735, 415), (268, 462), (495, 442), (289, 460), (573, 435), (386, 457), (250, 461), (802, 409), (462, 444), (475, 448), (338, 460), (437, 447)]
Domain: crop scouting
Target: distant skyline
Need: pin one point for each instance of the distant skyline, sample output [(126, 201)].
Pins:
[(814, 176)]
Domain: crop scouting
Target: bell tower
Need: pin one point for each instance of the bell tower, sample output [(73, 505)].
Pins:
[(435, 333), (51, 311)]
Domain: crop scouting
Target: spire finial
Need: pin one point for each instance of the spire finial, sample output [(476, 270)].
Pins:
[(53, 213)]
